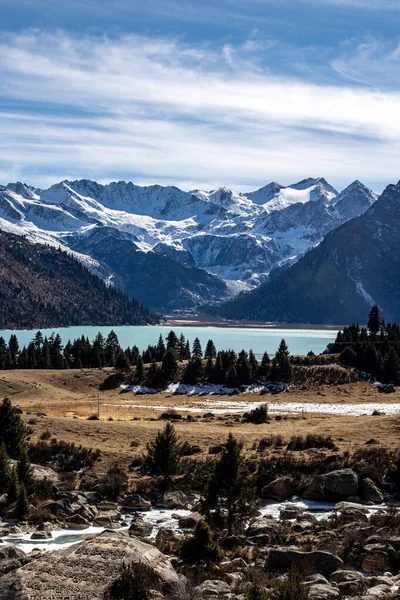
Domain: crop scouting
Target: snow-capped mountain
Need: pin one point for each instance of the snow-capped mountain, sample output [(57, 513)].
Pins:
[(210, 244), (355, 267)]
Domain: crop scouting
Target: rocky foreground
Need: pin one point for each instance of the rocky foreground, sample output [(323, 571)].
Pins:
[(352, 553)]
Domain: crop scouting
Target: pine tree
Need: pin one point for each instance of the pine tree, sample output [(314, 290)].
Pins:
[(200, 547), (172, 340), (197, 351), (283, 351), (13, 348), (211, 351), (232, 380), (263, 370), (121, 362), (164, 454), (22, 506), (160, 349), (169, 364), (111, 348), (188, 354), (139, 372), (24, 469), (374, 321), (5, 469), (12, 429), (231, 493), (253, 363), (13, 488), (181, 347)]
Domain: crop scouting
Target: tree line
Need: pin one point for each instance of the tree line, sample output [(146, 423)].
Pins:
[(162, 359), (374, 349)]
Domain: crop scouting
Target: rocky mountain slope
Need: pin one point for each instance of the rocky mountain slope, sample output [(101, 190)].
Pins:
[(355, 267), (41, 286), (174, 249)]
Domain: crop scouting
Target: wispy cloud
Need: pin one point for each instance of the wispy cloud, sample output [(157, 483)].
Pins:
[(373, 62), (160, 109)]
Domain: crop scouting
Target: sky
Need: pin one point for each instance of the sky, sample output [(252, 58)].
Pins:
[(234, 93)]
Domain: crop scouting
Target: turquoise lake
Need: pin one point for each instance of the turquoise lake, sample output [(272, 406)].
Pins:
[(300, 341)]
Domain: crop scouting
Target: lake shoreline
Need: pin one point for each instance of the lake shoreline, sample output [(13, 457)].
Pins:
[(209, 321)]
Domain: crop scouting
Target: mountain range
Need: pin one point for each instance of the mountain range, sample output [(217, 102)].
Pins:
[(355, 267), (177, 250)]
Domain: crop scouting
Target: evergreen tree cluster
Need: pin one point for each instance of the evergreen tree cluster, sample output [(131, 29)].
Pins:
[(224, 367), (374, 349)]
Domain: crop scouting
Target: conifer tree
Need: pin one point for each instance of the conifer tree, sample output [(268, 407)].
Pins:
[(231, 493), (164, 455), (211, 351), (139, 372), (197, 351), (374, 321), (253, 363), (188, 354), (12, 429), (200, 547), (169, 364), (160, 349), (232, 380), (172, 340), (283, 351), (121, 362), (263, 369), (5, 469)]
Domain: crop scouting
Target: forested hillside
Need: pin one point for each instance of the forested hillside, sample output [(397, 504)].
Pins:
[(41, 286)]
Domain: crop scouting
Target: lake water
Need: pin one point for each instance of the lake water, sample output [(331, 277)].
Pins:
[(300, 341)]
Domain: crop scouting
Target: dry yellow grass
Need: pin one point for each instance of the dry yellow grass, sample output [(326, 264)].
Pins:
[(69, 397)]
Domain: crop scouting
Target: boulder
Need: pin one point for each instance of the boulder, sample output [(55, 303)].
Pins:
[(135, 502), (234, 566), (284, 559), (335, 485), (171, 500), (89, 566), (189, 521), (322, 591), (369, 492), (41, 535), (282, 488), (139, 528), (379, 591), (77, 522), (290, 511), (213, 589), (11, 558)]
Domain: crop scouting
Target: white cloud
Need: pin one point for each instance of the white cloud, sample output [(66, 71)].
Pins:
[(373, 62), (159, 109)]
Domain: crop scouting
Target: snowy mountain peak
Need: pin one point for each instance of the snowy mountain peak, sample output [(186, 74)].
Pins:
[(22, 189), (266, 193)]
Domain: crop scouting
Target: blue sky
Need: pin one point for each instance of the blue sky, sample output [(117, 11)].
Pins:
[(200, 94)]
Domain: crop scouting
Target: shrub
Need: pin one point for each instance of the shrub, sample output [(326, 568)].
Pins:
[(201, 547), (290, 588), (43, 489), (114, 482), (134, 583), (46, 435), (257, 416), (67, 456), (256, 592), (298, 442), (93, 417)]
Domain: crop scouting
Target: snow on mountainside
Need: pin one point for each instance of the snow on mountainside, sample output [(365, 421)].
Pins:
[(212, 243)]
